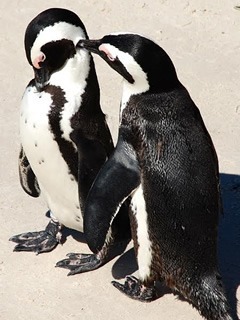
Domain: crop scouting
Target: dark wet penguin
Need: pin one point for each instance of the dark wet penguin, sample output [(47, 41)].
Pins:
[(64, 135), (166, 161)]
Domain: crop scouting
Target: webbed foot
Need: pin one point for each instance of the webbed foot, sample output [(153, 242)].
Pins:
[(39, 242), (136, 290), (79, 263)]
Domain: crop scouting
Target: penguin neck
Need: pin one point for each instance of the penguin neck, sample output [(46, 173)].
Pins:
[(74, 73), (139, 86), (144, 85)]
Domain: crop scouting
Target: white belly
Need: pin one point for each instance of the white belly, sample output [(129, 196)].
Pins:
[(59, 188)]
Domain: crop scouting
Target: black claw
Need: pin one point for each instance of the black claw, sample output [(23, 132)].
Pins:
[(19, 248), (118, 285), (63, 264), (23, 237), (38, 242), (134, 289), (79, 263), (79, 256), (73, 255)]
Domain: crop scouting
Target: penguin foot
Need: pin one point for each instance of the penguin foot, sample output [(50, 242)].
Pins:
[(39, 242), (79, 263), (136, 290)]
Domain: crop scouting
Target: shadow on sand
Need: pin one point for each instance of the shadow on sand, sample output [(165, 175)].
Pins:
[(229, 237)]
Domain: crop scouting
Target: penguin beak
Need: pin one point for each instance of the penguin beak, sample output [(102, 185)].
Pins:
[(90, 45), (42, 77)]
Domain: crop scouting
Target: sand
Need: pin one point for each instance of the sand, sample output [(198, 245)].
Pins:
[(203, 40)]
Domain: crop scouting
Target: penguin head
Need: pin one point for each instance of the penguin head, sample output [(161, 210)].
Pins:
[(50, 41), (140, 61)]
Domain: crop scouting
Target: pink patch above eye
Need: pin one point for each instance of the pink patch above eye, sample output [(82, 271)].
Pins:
[(103, 48), (39, 59)]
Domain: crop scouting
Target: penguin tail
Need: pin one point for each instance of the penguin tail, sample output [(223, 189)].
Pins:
[(210, 300)]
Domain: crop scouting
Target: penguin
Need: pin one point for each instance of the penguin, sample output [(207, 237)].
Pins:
[(166, 162), (64, 135)]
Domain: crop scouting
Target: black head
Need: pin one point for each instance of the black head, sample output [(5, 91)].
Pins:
[(50, 40), (138, 59)]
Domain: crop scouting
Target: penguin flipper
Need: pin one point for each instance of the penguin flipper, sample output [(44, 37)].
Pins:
[(27, 177), (116, 180)]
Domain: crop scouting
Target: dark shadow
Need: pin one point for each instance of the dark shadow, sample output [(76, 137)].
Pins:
[(229, 237), (162, 289), (125, 265), (77, 235)]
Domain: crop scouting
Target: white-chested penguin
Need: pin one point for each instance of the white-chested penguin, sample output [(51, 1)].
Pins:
[(64, 135), (166, 161)]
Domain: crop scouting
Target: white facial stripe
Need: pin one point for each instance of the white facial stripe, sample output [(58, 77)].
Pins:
[(58, 31), (104, 48), (134, 69), (145, 246), (140, 84)]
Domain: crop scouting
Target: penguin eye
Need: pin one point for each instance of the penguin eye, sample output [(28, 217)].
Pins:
[(110, 57), (103, 48)]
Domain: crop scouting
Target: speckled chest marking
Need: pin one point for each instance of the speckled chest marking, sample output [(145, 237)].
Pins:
[(44, 128)]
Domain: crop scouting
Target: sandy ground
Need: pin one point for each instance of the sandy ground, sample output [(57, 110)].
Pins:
[(203, 39)]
